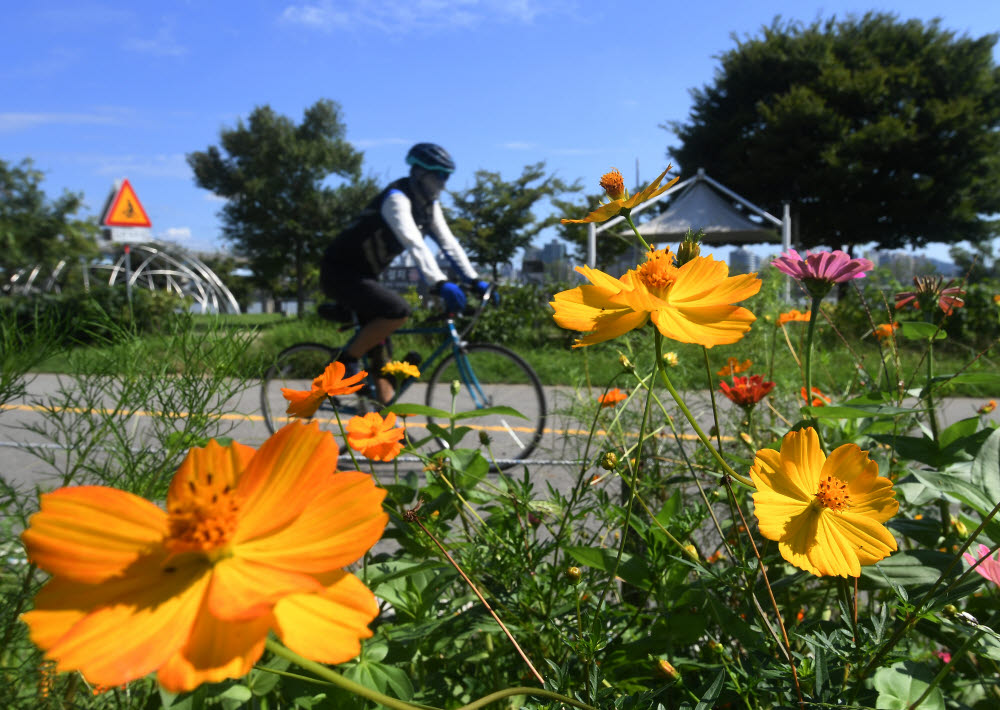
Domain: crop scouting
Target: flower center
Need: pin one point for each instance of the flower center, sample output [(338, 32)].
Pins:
[(613, 184), (659, 272), (205, 519), (833, 494)]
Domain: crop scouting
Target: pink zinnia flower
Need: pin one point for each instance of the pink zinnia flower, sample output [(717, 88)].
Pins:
[(990, 568), (928, 289), (833, 267), (944, 656)]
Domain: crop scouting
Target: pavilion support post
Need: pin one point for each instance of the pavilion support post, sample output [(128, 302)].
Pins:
[(591, 245), (786, 242)]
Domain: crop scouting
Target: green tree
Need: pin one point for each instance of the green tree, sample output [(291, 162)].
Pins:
[(877, 130), (280, 211), (495, 218), (37, 231)]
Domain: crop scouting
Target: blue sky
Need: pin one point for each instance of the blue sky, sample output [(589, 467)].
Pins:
[(93, 92)]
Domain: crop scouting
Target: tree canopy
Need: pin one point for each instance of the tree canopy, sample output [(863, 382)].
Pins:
[(494, 218), (35, 230), (280, 211), (877, 130)]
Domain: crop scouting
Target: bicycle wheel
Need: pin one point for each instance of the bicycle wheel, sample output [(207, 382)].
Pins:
[(491, 375), (295, 368)]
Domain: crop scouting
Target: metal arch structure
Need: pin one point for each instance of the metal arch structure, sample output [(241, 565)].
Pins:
[(153, 268)]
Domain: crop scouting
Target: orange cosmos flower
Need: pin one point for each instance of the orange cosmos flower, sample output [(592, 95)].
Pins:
[(734, 367), (376, 438), (614, 186), (251, 542), (690, 304), (827, 514), (400, 369), (885, 330), (988, 407), (746, 391), (819, 399), (329, 384), (611, 398), (794, 315)]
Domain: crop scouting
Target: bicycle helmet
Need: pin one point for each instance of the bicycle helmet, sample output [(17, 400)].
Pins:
[(430, 156)]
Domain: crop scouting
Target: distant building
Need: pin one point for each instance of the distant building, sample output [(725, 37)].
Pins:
[(554, 251), (743, 261), (903, 266)]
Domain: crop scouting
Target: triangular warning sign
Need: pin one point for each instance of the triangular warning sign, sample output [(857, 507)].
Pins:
[(126, 210)]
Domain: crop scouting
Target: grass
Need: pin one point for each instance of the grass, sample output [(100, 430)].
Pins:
[(558, 364)]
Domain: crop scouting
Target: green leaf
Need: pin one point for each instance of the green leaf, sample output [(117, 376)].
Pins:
[(712, 693), (632, 568), (498, 409), (403, 408), (968, 378), (858, 411), (919, 330), (908, 569), (902, 684), (961, 429), (985, 473), (235, 697)]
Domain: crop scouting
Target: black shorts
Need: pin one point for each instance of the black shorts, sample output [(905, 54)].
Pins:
[(362, 294)]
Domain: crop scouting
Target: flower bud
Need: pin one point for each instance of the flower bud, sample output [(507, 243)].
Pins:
[(455, 387), (667, 670), (959, 527), (693, 550), (573, 574), (609, 461), (689, 249), (484, 438), (671, 359), (625, 363)]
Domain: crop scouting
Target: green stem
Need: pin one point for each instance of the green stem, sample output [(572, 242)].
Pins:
[(694, 422), (711, 393), (931, 414), (632, 484), (810, 333), (350, 686), (627, 214), (947, 667)]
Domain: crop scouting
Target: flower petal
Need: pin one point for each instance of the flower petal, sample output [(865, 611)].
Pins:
[(705, 282), (216, 650), (601, 214), (92, 533), (775, 512), (834, 553), (212, 468), (242, 588), (869, 540), (710, 326), (327, 626), (767, 473), (611, 325), (802, 459), (301, 403), (81, 626), (342, 523), (283, 476)]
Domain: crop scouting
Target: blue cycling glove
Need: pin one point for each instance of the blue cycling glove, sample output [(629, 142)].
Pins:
[(452, 295), (480, 286)]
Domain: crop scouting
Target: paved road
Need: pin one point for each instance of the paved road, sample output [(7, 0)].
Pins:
[(552, 461)]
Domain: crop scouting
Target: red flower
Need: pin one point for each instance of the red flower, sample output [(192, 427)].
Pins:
[(747, 391), (927, 290), (819, 399), (611, 398)]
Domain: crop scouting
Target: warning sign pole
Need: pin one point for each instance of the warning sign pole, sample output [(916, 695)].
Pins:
[(128, 280)]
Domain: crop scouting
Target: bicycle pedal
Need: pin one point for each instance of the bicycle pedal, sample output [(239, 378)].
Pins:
[(413, 357)]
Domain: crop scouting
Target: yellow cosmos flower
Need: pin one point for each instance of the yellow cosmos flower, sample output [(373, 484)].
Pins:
[(401, 369), (689, 304), (827, 514), (614, 186), (250, 542)]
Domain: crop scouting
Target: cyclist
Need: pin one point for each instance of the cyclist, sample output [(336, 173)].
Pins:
[(396, 220)]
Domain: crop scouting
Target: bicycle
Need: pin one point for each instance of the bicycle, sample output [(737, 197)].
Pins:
[(488, 375)]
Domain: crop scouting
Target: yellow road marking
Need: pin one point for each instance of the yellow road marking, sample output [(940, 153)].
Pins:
[(330, 420)]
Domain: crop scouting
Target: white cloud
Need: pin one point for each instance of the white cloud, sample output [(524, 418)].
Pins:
[(400, 16), (172, 165), (10, 122), (176, 234), (162, 45), (212, 197), (379, 142), (519, 145)]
